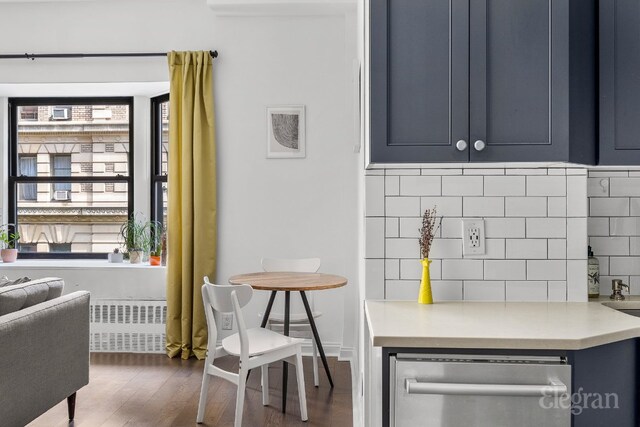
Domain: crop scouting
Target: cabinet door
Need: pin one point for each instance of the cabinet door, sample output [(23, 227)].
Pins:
[(419, 80), (518, 80), (620, 82)]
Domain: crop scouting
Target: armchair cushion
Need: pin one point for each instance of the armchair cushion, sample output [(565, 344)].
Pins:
[(23, 295)]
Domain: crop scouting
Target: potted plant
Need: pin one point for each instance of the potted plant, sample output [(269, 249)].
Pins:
[(115, 256), (156, 233), (9, 237), (135, 233)]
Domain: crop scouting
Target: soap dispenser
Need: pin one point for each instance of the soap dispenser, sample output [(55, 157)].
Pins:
[(593, 271)]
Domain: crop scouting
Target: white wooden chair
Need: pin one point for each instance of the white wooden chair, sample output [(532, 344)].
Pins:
[(298, 321), (255, 347)]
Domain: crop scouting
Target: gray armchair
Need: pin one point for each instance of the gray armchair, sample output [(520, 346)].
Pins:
[(44, 349)]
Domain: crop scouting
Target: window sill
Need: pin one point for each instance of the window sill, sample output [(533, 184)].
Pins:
[(73, 263)]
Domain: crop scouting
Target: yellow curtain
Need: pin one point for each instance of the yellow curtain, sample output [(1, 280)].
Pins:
[(191, 230)]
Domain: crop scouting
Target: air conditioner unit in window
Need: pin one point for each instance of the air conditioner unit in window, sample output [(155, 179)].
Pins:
[(61, 195), (60, 113)]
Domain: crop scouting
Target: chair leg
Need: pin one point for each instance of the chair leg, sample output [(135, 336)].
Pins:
[(203, 394), (302, 394), (242, 382), (316, 381), (265, 384), (71, 406)]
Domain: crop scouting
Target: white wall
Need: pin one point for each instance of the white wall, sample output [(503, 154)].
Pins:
[(279, 208)]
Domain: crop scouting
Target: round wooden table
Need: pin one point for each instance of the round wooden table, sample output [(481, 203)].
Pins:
[(288, 282)]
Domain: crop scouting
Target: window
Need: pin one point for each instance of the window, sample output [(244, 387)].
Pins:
[(28, 166), (160, 157), (75, 191), (29, 113)]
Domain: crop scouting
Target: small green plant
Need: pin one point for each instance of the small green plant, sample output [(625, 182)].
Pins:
[(155, 229), (139, 234), (9, 236)]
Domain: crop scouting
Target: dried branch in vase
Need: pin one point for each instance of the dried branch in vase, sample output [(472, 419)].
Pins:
[(430, 226)]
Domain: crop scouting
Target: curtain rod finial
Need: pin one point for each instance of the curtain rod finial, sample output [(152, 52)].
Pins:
[(214, 53)]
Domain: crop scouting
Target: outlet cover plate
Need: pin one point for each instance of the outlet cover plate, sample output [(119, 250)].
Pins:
[(227, 321), (473, 237)]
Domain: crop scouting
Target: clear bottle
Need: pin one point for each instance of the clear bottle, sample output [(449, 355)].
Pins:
[(593, 269)]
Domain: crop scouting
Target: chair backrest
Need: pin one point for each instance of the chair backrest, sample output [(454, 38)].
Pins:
[(298, 265), (226, 299)]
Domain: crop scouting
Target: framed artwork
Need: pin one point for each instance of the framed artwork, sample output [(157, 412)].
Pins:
[(285, 132)]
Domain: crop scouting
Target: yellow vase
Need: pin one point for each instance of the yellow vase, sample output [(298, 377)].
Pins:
[(425, 296)]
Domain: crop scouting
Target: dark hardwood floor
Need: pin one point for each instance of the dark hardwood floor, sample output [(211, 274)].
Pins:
[(153, 390)]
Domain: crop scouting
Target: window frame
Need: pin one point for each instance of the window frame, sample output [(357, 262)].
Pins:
[(156, 157), (14, 179)]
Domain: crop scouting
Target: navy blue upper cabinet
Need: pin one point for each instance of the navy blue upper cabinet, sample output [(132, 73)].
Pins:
[(483, 80), (619, 82)]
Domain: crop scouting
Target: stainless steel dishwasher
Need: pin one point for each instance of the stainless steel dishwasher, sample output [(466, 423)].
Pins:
[(443, 390)]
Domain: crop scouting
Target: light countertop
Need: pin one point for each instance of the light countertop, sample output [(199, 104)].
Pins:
[(498, 325)]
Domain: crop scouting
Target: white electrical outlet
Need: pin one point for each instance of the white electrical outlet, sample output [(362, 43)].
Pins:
[(227, 321), (473, 237)]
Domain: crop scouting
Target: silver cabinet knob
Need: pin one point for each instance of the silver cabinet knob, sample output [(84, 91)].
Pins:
[(479, 145), (461, 145)]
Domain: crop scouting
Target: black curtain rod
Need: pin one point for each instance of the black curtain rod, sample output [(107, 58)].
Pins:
[(32, 56)]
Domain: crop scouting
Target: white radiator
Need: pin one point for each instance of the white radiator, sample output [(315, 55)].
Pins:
[(129, 326)]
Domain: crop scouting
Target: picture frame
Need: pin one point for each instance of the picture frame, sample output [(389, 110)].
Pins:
[(286, 132)]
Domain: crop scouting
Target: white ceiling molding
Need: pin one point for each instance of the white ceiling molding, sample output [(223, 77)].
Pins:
[(281, 7)]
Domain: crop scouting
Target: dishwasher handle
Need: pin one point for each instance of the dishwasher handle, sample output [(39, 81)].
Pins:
[(555, 388)]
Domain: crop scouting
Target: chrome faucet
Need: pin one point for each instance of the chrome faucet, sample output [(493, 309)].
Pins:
[(616, 288)]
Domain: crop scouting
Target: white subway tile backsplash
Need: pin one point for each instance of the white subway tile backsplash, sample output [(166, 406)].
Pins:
[(635, 206), (504, 227), (478, 171), (451, 228), (625, 226), (609, 206), (546, 186), (392, 227), (577, 238), (526, 206), (411, 269), (397, 290), (526, 249), (446, 248), (624, 266), (504, 185), (505, 270), (441, 172), (609, 245), (374, 172), (605, 283), (483, 206), (557, 290), (577, 280), (624, 187), (446, 290), (374, 237), (634, 246), (598, 226), (374, 196), (577, 202), (546, 270), (606, 174), (392, 185), (403, 206), (446, 206), (392, 269), (546, 227), (598, 187), (556, 171), (531, 171), (557, 249), (530, 290), (410, 227), (462, 269), (484, 290), (494, 249), (577, 171), (401, 248), (402, 172), (420, 185), (462, 186), (558, 206), (603, 264), (374, 278)]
